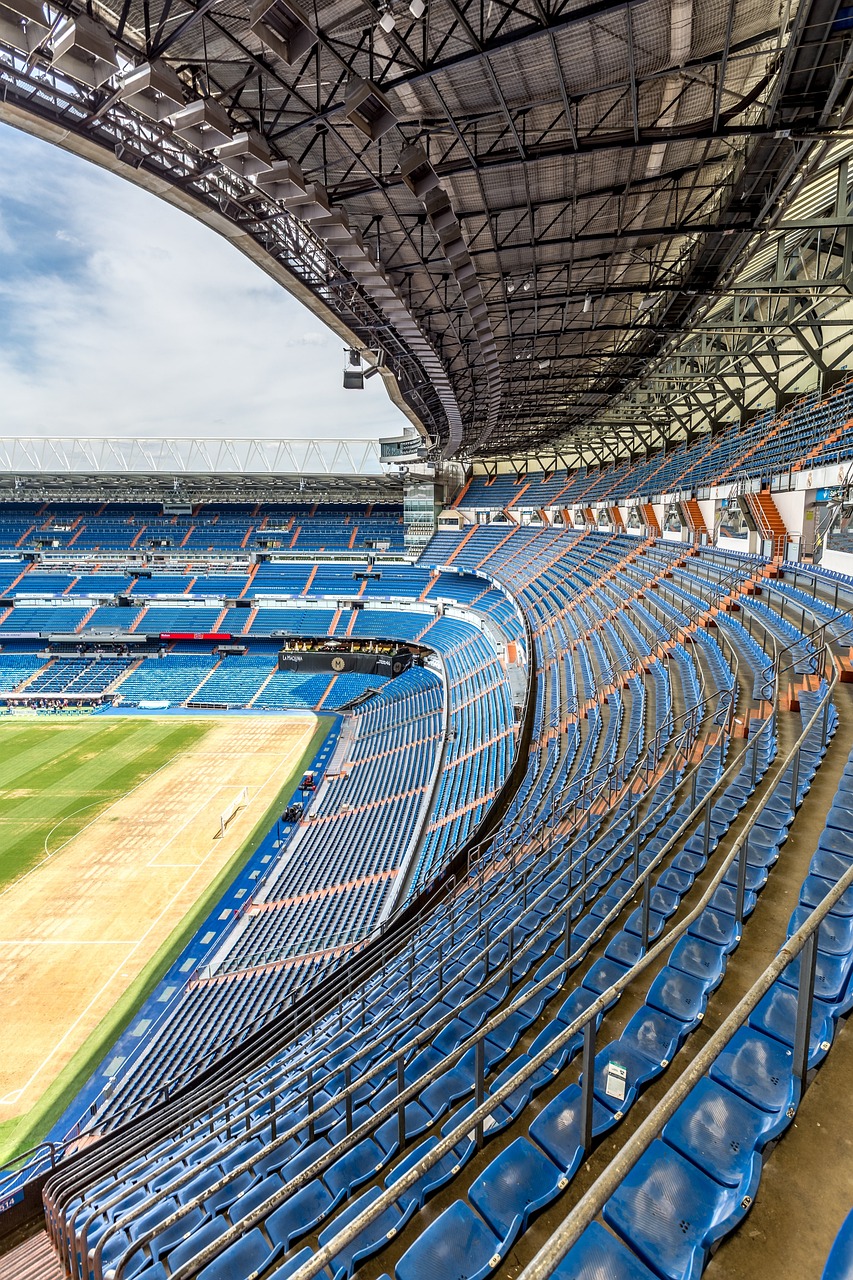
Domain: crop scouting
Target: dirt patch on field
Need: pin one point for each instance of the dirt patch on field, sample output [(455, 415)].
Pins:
[(78, 929)]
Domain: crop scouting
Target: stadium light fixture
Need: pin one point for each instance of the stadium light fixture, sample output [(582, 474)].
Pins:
[(353, 372), (387, 21), (203, 124), (23, 25), (283, 27), (587, 304), (154, 90), (417, 9), (83, 50)]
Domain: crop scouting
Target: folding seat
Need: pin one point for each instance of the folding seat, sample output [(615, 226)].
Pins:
[(618, 1093), (208, 1233), (458, 1243), (598, 1255), (354, 1167), (371, 1239), (776, 1016), (436, 1176), (718, 927), (671, 1213), (516, 1101), (703, 960), (450, 1086), (557, 1128), (290, 1268), (517, 1183), (247, 1257), (814, 890), (835, 935), (654, 1035), (761, 1070)]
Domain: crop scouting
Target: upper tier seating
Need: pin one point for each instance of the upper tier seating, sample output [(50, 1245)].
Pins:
[(819, 432)]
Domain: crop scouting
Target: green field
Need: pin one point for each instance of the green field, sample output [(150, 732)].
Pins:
[(56, 775)]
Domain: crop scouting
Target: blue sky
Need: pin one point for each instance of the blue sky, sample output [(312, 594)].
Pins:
[(120, 315)]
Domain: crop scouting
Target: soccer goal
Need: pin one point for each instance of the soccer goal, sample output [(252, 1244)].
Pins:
[(239, 802)]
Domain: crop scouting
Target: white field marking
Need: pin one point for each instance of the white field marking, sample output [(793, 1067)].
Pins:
[(108, 982)]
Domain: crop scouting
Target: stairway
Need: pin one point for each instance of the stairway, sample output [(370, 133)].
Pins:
[(695, 519), (649, 519), (771, 526), (32, 1260)]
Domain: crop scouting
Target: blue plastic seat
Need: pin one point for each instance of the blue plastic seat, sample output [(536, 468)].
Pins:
[(439, 1174), (638, 1069), (671, 1213), (654, 1034), (717, 927), (761, 1070), (776, 1015), (517, 1183), (721, 1133), (457, 1245), (600, 1256), (700, 959), (354, 1167), (832, 980), (371, 1239), (559, 1057), (246, 1257), (516, 1101), (557, 1128), (290, 1268), (207, 1233), (835, 935), (301, 1212), (602, 975), (679, 996)]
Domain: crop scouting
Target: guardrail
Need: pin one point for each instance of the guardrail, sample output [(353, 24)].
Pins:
[(585, 1024)]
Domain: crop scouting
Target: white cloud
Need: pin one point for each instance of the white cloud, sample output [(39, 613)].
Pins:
[(120, 315)]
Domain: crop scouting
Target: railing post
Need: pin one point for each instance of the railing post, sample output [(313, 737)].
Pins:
[(805, 996), (309, 1100), (740, 892), (647, 902), (706, 834), (401, 1106), (588, 1084), (479, 1084), (795, 778)]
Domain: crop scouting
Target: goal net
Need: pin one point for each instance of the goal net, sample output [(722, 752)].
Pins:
[(239, 802)]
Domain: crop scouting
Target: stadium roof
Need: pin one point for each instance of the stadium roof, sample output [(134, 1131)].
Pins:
[(233, 469), (519, 208)]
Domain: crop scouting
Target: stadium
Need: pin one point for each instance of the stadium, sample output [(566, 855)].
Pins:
[(430, 855)]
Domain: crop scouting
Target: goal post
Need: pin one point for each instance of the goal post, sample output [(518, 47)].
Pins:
[(239, 802)]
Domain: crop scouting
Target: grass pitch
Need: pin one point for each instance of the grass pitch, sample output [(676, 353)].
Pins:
[(56, 775)]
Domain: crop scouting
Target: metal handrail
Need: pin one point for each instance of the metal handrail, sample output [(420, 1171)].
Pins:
[(734, 575), (802, 940), (587, 1020), (411, 1091), (680, 626), (497, 977)]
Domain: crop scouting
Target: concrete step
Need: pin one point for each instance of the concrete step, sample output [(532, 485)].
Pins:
[(32, 1260)]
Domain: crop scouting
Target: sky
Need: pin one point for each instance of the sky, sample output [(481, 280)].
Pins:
[(121, 316)]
